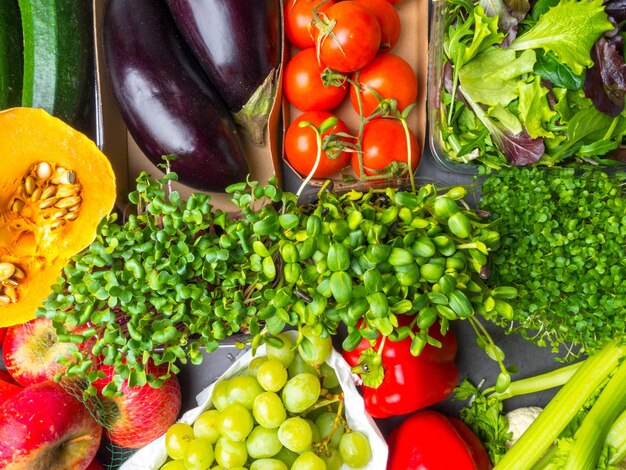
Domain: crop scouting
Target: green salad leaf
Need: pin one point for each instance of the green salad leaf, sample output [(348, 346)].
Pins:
[(534, 109), (569, 30), (492, 77)]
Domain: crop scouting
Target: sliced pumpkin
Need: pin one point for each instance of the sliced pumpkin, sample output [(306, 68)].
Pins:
[(55, 188)]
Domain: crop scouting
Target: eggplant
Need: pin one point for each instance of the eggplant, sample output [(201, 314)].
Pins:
[(166, 100), (237, 43)]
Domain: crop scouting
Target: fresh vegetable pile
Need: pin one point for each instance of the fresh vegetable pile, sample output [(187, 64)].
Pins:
[(343, 52), (522, 86), (563, 249), (583, 427)]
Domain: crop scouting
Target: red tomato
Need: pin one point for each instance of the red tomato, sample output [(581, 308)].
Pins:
[(395, 1), (353, 40), (304, 87), (388, 20), (298, 21), (391, 77), (383, 142), (301, 146)]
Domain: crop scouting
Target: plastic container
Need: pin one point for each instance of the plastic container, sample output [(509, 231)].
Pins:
[(439, 23), (435, 82)]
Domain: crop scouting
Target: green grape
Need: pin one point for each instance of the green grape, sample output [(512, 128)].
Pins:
[(329, 377), (254, 365), (207, 426), (220, 395), (326, 423), (355, 449), (229, 453), (333, 459), (295, 434), (272, 375), (198, 454), (268, 410), (177, 438), (243, 389), (283, 354), (288, 457), (308, 461), (313, 348), (268, 464), (236, 422), (299, 365), (263, 443), (174, 465), (315, 432), (301, 392)]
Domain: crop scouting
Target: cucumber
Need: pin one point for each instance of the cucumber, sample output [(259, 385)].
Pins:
[(58, 57), (11, 62)]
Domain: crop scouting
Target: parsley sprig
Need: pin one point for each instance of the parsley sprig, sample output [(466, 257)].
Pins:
[(563, 248)]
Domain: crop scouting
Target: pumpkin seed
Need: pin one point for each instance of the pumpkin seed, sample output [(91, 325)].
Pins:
[(71, 216), (19, 274), (43, 171), (68, 202), (57, 223), (17, 205), (11, 293), (74, 208), (29, 185), (4, 300), (49, 191), (66, 190), (6, 271), (46, 203), (66, 177), (36, 195), (10, 282)]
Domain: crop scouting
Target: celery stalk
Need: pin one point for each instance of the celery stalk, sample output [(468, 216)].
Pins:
[(562, 408), (537, 383), (589, 438), (616, 439)]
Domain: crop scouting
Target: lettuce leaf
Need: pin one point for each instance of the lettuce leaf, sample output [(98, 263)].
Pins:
[(568, 30), (605, 83), (518, 148), (534, 109), (492, 77)]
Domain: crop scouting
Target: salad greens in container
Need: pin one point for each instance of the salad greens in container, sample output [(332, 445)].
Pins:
[(516, 83)]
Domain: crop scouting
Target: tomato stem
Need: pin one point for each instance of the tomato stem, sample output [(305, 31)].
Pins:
[(318, 156)]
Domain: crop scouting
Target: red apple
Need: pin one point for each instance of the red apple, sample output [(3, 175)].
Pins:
[(95, 465), (2, 332), (8, 388), (44, 428), (140, 414), (31, 351)]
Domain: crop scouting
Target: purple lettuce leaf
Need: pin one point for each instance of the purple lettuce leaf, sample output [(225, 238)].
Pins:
[(605, 83)]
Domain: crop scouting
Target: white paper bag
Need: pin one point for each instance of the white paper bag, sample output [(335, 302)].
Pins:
[(152, 456)]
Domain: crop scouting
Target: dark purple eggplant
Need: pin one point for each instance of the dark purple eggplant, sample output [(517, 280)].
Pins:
[(166, 101), (237, 43)]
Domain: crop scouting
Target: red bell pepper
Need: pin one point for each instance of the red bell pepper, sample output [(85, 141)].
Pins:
[(429, 440), (409, 382)]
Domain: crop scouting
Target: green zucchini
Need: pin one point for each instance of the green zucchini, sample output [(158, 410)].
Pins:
[(11, 62), (58, 57)]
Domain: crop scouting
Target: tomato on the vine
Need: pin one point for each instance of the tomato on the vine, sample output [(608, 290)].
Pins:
[(298, 21), (349, 36), (303, 84), (388, 20), (388, 75), (384, 142), (301, 145)]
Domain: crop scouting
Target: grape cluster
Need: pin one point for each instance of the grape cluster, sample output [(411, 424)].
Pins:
[(284, 412)]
